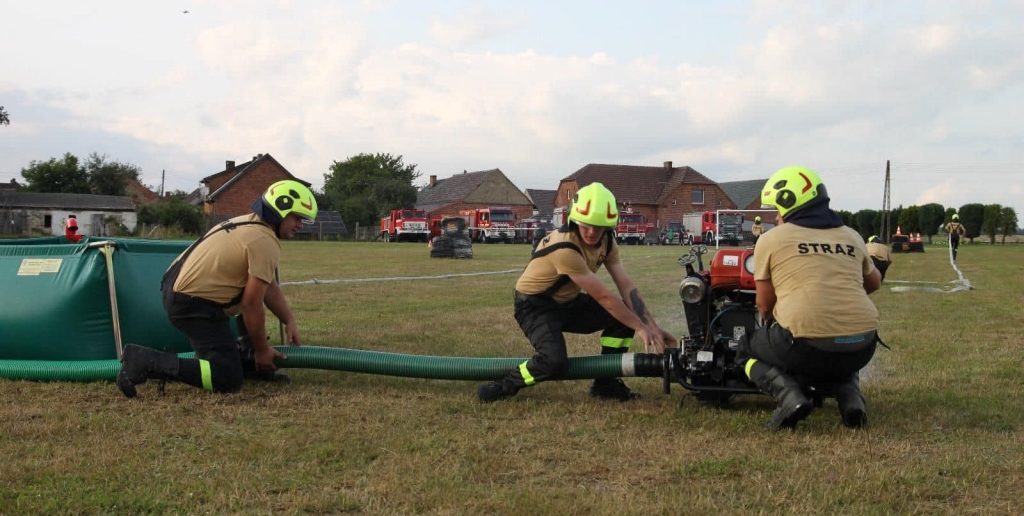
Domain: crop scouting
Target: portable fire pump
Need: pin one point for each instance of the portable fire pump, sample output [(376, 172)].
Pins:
[(720, 311)]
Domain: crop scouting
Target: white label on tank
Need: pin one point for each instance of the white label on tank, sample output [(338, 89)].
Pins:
[(732, 260), (37, 266), (705, 356)]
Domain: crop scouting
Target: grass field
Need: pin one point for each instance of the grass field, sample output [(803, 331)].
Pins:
[(945, 406)]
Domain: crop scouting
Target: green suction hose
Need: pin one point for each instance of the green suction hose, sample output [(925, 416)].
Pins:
[(358, 361)]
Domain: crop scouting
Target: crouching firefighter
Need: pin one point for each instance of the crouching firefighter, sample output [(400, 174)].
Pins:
[(549, 301), (813, 276), (229, 271)]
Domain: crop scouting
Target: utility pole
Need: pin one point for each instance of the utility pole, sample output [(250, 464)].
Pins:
[(886, 228), (163, 174)]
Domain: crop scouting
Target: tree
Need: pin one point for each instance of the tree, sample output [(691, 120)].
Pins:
[(910, 220), (172, 212), (366, 186), (846, 216), (931, 216), (991, 224), (1008, 218), (57, 176), (971, 216), (5, 119), (865, 222), (109, 178)]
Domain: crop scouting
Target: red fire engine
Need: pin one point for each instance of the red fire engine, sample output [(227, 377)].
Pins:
[(408, 225), (494, 224)]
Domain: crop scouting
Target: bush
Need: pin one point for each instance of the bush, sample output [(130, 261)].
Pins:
[(174, 213)]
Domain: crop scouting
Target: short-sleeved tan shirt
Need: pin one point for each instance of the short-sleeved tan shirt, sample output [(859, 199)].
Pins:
[(542, 272), (955, 228), (880, 251), (818, 276), (757, 229), (219, 267)]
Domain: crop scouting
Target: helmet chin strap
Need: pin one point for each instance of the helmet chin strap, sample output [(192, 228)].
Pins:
[(268, 214)]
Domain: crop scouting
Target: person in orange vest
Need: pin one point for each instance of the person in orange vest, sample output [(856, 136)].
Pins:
[(71, 229)]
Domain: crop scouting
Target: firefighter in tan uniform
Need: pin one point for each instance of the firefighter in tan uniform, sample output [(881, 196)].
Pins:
[(955, 230), (549, 300), (813, 276), (227, 272), (757, 229), (880, 255)]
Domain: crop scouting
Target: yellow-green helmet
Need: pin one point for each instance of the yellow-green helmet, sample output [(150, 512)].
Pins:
[(595, 206), (290, 196), (956, 217), (872, 238), (757, 218), (792, 187)]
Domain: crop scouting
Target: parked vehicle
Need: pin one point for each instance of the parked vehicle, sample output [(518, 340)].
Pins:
[(405, 224), (494, 224), (707, 228), (632, 228), (675, 234)]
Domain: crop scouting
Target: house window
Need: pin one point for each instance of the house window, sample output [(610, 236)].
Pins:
[(697, 197), (47, 221)]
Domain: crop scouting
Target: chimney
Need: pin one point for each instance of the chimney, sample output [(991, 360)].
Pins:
[(229, 166), (433, 181), (668, 165)]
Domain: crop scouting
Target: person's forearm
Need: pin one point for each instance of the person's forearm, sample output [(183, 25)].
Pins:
[(255, 325), (278, 304)]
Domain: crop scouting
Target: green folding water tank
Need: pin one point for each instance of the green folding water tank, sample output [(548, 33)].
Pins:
[(55, 302)]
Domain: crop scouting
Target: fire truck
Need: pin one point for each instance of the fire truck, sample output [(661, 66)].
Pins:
[(408, 225), (632, 228), (709, 229), (493, 224)]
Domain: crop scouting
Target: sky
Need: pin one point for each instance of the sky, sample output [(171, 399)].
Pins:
[(734, 89)]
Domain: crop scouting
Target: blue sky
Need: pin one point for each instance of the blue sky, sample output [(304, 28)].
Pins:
[(734, 89)]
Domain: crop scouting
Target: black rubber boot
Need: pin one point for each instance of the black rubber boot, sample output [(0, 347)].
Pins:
[(140, 364), (492, 391), (793, 404), (851, 403), (612, 389)]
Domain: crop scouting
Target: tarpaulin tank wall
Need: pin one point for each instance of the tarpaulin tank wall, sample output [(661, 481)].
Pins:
[(55, 302)]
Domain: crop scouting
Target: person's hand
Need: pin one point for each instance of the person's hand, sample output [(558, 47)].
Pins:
[(291, 334), (668, 340), (652, 340), (265, 358)]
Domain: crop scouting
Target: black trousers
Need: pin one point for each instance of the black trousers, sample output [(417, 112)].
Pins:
[(840, 359), (543, 321), (208, 330), (881, 265)]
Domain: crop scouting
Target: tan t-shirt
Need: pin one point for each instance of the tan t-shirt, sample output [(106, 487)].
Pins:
[(880, 251), (955, 228), (818, 275), (757, 229), (542, 272), (220, 266)]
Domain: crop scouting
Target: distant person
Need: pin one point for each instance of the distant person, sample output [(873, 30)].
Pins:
[(813, 276), (955, 230), (550, 300), (229, 271), (71, 229), (757, 229), (880, 254)]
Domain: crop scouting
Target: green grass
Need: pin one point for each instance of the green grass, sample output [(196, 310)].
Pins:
[(945, 404)]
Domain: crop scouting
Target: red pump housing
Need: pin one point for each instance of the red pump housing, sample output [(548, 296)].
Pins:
[(733, 269)]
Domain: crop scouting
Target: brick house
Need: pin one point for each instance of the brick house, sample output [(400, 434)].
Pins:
[(481, 189), (747, 196), (662, 194), (230, 193), (543, 201)]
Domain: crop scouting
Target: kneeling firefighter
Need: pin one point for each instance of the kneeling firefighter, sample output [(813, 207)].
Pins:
[(549, 301), (229, 271), (813, 276)]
